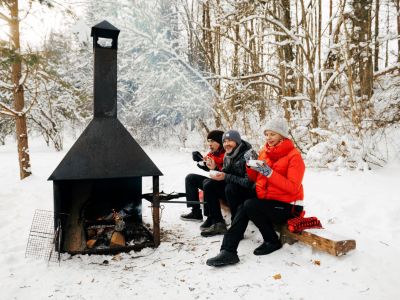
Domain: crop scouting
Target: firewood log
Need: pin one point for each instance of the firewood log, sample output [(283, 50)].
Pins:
[(117, 240), (90, 243)]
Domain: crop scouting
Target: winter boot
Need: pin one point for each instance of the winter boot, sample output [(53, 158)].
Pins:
[(222, 259), (215, 229), (207, 224), (267, 248), (194, 215)]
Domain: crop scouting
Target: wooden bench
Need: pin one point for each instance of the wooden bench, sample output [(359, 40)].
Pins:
[(320, 239)]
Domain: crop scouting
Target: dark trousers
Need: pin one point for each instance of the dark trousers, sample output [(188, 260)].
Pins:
[(194, 182), (213, 191), (263, 213), (233, 194)]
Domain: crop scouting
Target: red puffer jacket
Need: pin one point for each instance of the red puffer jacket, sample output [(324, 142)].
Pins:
[(285, 183), (218, 157)]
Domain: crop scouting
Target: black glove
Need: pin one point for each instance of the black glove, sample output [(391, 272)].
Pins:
[(203, 166), (196, 155)]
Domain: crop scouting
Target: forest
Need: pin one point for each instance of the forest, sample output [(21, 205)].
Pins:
[(329, 67)]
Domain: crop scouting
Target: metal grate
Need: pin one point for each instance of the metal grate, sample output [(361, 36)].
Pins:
[(41, 240)]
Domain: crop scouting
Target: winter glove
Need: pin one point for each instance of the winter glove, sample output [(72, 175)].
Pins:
[(263, 169), (196, 155), (202, 166), (250, 154)]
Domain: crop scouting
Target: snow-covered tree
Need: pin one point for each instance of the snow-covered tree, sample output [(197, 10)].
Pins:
[(158, 89)]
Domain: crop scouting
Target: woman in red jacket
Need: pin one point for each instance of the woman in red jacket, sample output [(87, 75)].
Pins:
[(278, 175)]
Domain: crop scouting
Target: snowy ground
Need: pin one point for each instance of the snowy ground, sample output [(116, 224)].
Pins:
[(364, 206)]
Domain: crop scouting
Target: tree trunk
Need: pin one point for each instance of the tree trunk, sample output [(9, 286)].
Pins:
[(398, 29), (363, 58), (299, 58), (262, 105), (387, 33), (330, 16), (288, 82), (309, 55), (376, 35), (319, 43), (18, 93)]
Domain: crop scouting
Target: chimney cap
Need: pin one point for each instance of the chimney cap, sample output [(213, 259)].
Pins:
[(104, 29), (107, 31)]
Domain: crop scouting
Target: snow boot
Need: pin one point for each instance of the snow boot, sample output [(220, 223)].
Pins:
[(194, 215), (222, 259), (206, 224), (215, 229), (267, 248)]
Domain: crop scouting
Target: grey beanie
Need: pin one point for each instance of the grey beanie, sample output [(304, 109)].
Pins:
[(232, 135), (278, 126)]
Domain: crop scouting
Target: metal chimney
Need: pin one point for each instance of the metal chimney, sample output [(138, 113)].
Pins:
[(105, 46)]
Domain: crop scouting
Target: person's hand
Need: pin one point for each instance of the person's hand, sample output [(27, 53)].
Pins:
[(218, 176), (264, 169), (210, 163), (250, 154), (196, 155)]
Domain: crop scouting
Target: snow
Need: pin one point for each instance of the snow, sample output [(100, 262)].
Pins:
[(360, 205), (81, 30)]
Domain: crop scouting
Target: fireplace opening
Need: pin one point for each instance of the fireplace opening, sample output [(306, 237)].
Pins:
[(101, 215)]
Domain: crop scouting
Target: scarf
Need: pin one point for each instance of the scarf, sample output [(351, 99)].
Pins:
[(229, 157), (280, 150)]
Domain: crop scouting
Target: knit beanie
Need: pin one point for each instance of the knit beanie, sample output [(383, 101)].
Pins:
[(232, 135), (278, 126), (215, 135)]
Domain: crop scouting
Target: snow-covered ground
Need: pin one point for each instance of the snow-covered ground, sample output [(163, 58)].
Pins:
[(360, 205)]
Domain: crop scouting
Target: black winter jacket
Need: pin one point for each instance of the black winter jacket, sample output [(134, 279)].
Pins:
[(235, 166)]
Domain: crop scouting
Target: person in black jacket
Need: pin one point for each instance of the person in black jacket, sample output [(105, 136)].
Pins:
[(231, 183), (213, 160)]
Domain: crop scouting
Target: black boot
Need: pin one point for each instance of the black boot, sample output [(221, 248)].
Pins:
[(207, 224), (214, 229), (222, 259), (194, 215), (267, 248)]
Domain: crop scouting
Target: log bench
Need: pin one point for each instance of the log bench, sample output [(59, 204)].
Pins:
[(320, 239)]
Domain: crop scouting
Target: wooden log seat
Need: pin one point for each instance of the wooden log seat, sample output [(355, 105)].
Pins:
[(320, 239)]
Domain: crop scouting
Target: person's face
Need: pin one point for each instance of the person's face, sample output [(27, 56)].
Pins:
[(272, 138), (213, 145), (229, 145)]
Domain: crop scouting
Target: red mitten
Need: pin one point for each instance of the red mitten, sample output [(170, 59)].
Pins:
[(298, 224)]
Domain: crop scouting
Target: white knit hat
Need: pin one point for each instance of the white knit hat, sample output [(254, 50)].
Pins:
[(278, 126)]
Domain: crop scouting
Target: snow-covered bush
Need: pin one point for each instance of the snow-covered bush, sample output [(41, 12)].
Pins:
[(336, 151)]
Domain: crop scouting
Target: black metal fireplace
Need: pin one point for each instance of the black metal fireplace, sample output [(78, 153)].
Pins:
[(98, 184)]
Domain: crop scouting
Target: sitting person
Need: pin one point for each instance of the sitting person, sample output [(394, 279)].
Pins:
[(213, 160), (230, 184), (279, 193)]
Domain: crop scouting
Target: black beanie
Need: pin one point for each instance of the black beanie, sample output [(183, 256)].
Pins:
[(215, 135)]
